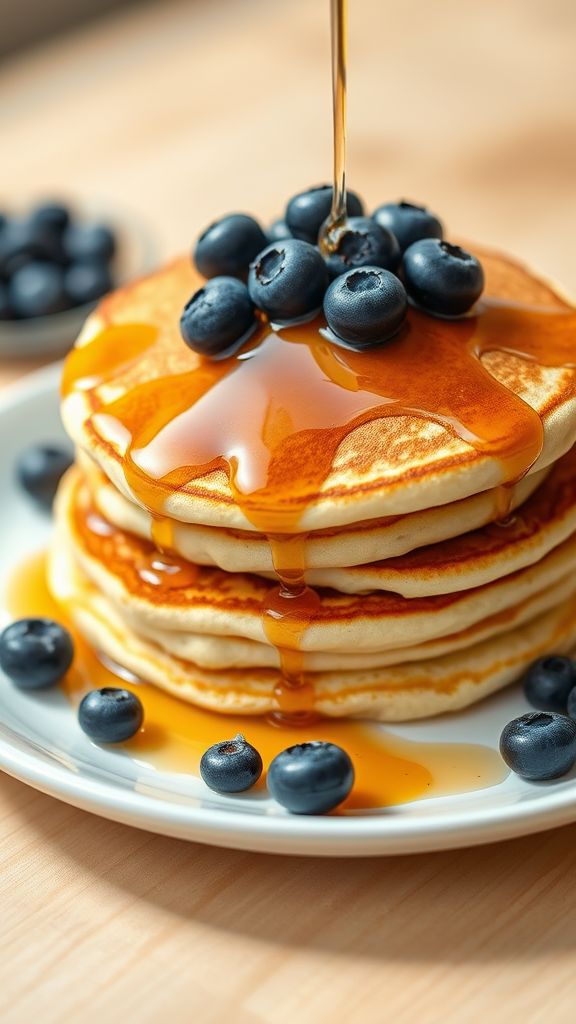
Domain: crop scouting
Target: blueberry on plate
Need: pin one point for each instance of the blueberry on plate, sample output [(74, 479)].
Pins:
[(39, 470), (95, 243), (37, 289), (86, 282), (35, 653), (110, 715), (540, 745), (231, 766), (307, 211), (288, 280), (408, 222), (311, 778), (227, 247), (442, 278), (218, 316), (365, 307), (53, 216), (549, 681), (278, 231), (362, 243)]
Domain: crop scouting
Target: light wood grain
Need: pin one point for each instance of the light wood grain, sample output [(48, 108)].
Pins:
[(179, 112)]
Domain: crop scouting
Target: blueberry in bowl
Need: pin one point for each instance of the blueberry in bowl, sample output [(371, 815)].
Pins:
[(56, 262)]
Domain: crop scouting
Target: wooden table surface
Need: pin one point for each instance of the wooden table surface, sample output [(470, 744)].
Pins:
[(178, 112)]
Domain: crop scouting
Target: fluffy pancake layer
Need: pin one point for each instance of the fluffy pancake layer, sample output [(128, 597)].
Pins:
[(390, 466), (358, 544), (407, 691), (204, 641), (465, 560), (224, 604)]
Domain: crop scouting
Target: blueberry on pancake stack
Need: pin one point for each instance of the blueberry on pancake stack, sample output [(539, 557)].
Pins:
[(335, 482)]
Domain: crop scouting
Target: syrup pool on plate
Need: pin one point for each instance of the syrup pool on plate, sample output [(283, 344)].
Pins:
[(388, 770)]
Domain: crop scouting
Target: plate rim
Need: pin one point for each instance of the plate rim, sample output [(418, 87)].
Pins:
[(357, 835)]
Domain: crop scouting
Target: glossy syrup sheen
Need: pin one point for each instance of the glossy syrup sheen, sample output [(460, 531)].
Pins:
[(388, 770), (273, 416)]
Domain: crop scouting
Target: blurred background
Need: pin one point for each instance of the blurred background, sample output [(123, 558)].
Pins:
[(180, 110)]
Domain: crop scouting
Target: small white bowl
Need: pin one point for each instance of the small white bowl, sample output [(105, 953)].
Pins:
[(54, 334)]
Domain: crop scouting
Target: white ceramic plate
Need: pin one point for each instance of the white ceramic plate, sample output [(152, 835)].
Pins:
[(42, 744)]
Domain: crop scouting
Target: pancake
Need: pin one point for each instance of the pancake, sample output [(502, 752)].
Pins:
[(473, 559), (236, 652), (129, 389), (465, 561), (208, 601), (360, 543), (408, 691), (426, 490)]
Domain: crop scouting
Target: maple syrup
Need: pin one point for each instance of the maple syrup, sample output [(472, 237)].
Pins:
[(388, 770), (273, 415), (339, 38)]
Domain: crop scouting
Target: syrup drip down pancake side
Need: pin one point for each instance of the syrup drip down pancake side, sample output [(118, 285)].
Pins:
[(407, 691), (294, 434), (357, 544), (380, 478)]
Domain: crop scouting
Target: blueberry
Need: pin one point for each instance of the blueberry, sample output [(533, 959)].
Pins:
[(35, 653), (39, 470), (278, 231), (408, 222), (362, 243), (365, 307), (311, 778), (540, 745), (110, 715), (442, 278), (54, 216), (93, 243), (218, 316), (231, 766), (288, 280), (307, 211), (228, 246), (37, 289), (549, 681), (21, 242), (571, 703), (86, 282), (5, 307)]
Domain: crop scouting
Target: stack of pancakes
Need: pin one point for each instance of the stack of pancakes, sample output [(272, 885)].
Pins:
[(434, 589)]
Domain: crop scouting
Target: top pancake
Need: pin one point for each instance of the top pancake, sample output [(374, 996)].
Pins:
[(393, 465)]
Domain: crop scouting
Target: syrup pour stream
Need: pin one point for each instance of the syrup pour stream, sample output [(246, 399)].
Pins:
[(339, 33)]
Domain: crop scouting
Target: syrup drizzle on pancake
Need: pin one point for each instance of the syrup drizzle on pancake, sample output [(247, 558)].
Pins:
[(274, 415)]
